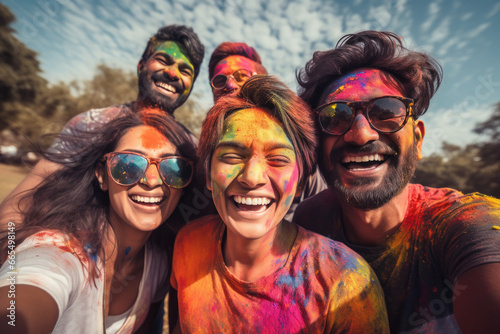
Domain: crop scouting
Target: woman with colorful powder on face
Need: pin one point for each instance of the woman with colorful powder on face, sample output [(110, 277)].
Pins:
[(92, 254), (247, 269)]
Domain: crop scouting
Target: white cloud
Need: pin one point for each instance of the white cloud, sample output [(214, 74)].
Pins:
[(443, 49), (453, 125), (476, 32), (81, 33), (433, 14), (441, 32), (495, 9), (466, 16)]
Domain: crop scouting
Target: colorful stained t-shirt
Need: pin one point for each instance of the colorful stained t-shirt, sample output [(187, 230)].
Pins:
[(324, 287), (50, 261), (444, 234)]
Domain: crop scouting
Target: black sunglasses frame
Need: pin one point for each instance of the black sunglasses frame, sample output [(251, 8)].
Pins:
[(356, 105), (151, 161)]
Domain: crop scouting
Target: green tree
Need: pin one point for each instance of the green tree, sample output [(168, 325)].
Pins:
[(20, 80), (473, 168)]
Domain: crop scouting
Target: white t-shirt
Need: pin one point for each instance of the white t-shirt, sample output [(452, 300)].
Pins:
[(48, 260)]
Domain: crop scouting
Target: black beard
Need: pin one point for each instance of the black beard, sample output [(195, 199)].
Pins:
[(400, 171), (151, 98)]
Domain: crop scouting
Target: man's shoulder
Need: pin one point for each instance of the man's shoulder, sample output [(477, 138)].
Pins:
[(447, 199), (87, 119)]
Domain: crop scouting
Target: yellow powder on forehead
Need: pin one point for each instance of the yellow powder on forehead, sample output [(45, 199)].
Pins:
[(250, 121)]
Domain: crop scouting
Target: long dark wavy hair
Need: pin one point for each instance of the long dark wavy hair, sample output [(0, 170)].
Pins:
[(70, 199), (418, 74)]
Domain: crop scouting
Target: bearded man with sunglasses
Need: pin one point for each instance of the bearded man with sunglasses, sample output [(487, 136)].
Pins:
[(166, 72), (436, 252)]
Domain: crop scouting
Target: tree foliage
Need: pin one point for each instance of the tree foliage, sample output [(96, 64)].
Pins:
[(20, 80), (474, 168), (30, 107)]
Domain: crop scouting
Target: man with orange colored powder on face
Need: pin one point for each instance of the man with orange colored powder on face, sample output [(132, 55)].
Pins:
[(247, 269), (230, 65), (436, 252), (166, 72)]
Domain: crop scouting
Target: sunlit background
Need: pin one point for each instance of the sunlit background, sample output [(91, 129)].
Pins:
[(73, 36)]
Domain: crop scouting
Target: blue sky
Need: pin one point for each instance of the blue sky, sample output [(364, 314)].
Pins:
[(73, 36)]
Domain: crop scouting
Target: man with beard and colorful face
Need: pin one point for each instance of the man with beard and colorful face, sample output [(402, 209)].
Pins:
[(230, 65), (246, 269), (167, 71), (436, 252)]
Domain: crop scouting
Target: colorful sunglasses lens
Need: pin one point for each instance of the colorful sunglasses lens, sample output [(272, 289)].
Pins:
[(387, 114), (175, 172), (127, 169), (336, 118), (241, 76)]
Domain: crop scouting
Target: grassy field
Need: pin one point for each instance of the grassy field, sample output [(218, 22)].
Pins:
[(10, 176)]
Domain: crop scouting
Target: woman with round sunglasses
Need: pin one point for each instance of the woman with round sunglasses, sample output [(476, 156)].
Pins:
[(92, 254)]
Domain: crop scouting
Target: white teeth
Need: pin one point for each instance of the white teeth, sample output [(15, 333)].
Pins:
[(364, 158), (252, 200), (166, 86), (143, 199)]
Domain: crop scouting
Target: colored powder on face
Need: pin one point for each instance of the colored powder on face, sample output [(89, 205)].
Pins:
[(174, 49), (152, 139)]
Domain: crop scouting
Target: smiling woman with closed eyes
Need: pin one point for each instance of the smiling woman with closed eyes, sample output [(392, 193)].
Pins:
[(92, 253), (248, 269)]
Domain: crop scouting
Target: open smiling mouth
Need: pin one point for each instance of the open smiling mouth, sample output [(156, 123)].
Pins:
[(256, 204), (165, 86), (364, 162), (146, 200)]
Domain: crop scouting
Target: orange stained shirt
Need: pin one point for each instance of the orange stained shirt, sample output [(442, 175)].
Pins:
[(324, 287)]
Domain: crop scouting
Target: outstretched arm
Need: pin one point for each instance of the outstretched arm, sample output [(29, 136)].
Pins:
[(34, 310), (477, 302)]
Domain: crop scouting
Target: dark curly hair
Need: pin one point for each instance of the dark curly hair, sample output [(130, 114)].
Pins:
[(268, 93), (418, 74), (182, 34)]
